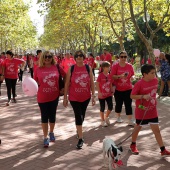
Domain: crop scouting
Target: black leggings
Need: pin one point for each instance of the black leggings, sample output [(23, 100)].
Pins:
[(31, 71), (10, 84), (48, 111), (79, 109), (123, 97), (20, 74), (109, 102)]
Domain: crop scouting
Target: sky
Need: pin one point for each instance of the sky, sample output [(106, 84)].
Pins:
[(37, 19)]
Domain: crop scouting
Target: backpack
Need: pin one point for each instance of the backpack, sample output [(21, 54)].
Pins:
[(87, 68)]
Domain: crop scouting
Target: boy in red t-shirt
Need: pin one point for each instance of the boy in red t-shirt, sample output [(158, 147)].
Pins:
[(144, 92)]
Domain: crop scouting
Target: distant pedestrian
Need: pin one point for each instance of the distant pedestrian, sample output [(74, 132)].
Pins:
[(47, 77), (105, 91), (165, 72), (144, 92), (10, 73), (80, 89)]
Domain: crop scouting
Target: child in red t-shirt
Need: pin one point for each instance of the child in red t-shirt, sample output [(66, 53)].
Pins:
[(144, 92), (105, 92)]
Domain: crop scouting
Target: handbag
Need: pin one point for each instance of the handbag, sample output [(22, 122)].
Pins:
[(60, 81)]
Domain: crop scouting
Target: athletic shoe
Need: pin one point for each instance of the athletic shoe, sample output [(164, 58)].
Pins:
[(80, 144), (131, 123), (46, 143), (119, 120), (14, 100), (165, 153), (8, 103), (134, 149), (103, 123), (107, 121), (52, 137)]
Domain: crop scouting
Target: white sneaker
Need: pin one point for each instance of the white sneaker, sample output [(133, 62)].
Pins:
[(103, 123), (131, 123), (107, 121), (119, 120)]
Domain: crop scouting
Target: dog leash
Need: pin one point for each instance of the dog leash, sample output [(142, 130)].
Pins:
[(134, 130)]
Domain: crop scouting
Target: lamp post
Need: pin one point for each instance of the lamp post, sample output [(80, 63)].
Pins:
[(100, 35), (144, 20)]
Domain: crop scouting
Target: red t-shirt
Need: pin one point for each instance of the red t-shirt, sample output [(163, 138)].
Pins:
[(35, 62), (79, 89), (141, 88), (1, 64), (90, 61), (66, 63), (149, 61), (123, 84), (11, 67), (107, 57), (105, 83), (47, 79)]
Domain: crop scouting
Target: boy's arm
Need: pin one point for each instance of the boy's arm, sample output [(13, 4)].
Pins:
[(137, 97)]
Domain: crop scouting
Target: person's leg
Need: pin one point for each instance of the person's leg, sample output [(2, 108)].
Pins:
[(161, 88), (31, 71), (8, 85), (13, 81), (109, 102), (168, 88), (135, 133), (156, 131), (44, 122), (21, 75), (52, 118), (102, 108), (0, 87), (118, 105), (128, 106)]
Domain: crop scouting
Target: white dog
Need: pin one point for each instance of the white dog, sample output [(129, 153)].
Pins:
[(113, 152)]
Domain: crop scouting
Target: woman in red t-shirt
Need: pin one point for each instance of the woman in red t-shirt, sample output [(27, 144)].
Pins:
[(79, 86), (47, 77), (10, 73), (122, 72)]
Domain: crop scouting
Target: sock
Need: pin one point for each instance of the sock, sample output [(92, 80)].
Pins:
[(133, 143), (162, 148)]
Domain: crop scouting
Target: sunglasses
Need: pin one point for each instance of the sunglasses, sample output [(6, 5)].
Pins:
[(48, 56), (79, 55), (123, 56)]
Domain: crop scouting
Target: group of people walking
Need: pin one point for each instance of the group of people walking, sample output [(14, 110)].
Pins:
[(79, 90)]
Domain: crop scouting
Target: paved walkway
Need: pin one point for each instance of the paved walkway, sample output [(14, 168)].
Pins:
[(22, 149)]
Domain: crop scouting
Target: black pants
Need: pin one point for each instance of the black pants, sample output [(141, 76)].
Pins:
[(31, 71), (109, 102), (48, 111), (10, 84), (79, 110), (20, 75), (123, 97)]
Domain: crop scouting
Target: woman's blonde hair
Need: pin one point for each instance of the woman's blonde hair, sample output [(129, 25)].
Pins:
[(42, 58)]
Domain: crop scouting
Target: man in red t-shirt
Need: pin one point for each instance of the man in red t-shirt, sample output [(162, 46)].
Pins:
[(106, 56)]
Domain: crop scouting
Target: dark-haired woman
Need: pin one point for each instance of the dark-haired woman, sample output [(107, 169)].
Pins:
[(80, 89), (122, 73), (10, 73), (165, 72)]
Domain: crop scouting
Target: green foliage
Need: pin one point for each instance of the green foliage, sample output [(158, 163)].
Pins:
[(16, 29)]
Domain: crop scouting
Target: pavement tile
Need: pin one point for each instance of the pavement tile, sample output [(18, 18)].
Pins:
[(22, 147)]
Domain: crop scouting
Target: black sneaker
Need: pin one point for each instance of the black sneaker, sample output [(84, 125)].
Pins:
[(80, 144)]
